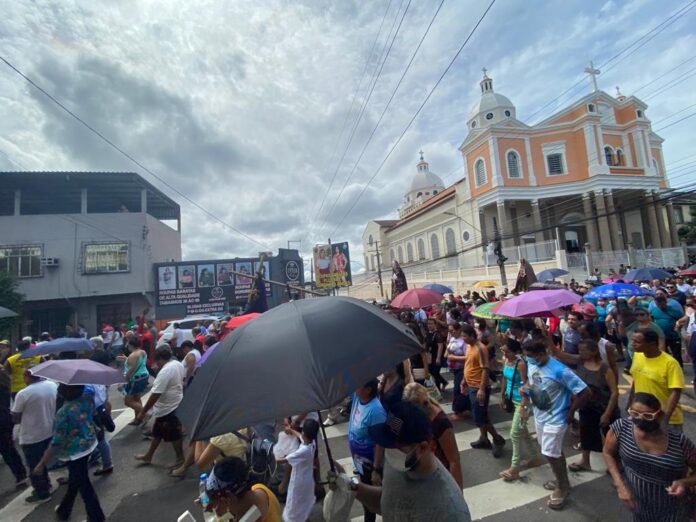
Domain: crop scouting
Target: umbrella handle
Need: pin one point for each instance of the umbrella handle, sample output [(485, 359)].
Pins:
[(326, 441)]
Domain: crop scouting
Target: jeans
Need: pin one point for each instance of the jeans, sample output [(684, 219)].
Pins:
[(460, 403), (78, 480), (366, 478), (33, 454), (104, 449), (10, 455), (521, 439)]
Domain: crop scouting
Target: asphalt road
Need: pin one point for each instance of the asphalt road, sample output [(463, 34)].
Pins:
[(136, 493)]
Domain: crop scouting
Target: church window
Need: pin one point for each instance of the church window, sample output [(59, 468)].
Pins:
[(513, 165), (654, 164), (555, 164), (434, 192), (620, 158), (473, 124), (409, 252), (419, 194), (489, 116), (508, 113), (466, 236), (434, 247), (480, 169), (639, 113), (400, 254), (391, 256), (450, 244), (421, 249), (370, 240), (590, 107), (609, 156)]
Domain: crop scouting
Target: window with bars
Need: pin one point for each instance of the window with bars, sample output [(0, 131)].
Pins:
[(105, 258), (554, 163), (21, 261), (480, 171), (434, 246), (609, 156), (513, 165)]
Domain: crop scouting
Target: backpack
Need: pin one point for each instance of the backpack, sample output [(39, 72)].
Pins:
[(261, 460)]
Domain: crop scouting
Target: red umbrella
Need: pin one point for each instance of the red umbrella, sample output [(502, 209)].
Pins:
[(416, 298), (689, 272), (613, 278), (239, 320)]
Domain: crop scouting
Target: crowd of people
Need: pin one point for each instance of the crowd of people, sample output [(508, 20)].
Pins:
[(561, 371)]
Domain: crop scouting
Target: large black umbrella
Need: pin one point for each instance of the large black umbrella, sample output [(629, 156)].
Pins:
[(302, 356)]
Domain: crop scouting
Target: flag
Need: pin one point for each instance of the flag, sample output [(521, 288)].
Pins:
[(257, 297)]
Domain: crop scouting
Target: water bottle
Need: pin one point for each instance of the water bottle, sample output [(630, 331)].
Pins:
[(202, 494)]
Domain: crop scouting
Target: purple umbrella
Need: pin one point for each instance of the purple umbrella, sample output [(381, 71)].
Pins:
[(207, 354), (60, 345), (539, 303), (77, 371)]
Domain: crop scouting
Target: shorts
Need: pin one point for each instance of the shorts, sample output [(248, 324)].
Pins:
[(550, 437), (479, 412), (137, 386), (167, 428)]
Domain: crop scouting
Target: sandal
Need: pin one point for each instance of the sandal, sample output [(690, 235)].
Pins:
[(509, 475), (556, 503), (577, 467), (577, 446), (550, 485)]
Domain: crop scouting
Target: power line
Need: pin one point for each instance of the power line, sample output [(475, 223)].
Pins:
[(386, 107), (674, 114), (425, 101), (128, 156), (673, 83), (375, 76), (664, 74), (678, 121)]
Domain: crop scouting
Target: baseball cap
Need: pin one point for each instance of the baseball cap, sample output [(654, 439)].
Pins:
[(406, 424), (5, 341), (27, 339)]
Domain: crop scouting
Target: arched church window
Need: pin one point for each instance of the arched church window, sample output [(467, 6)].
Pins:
[(409, 252), (421, 249), (480, 170), (400, 254), (609, 156), (619, 158), (513, 165), (434, 246), (450, 243)]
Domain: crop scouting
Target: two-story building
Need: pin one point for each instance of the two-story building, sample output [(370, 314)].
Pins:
[(83, 245)]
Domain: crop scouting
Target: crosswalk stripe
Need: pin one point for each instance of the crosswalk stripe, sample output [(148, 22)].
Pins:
[(484, 499)]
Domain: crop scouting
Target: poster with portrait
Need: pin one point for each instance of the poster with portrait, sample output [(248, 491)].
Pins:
[(187, 276), (206, 275), (166, 276), (332, 265), (225, 276), (266, 274), (243, 282)]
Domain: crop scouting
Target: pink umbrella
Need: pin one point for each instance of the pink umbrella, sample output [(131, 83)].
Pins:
[(613, 278), (539, 303), (416, 298)]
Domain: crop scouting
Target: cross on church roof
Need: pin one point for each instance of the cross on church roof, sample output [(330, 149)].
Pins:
[(421, 154), (484, 72), (593, 74)]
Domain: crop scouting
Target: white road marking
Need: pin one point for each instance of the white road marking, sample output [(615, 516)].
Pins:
[(18, 508)]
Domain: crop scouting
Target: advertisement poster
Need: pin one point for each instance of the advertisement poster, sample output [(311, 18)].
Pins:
[(187, 276), (225, 277), (167, 277), (242, 283), (206, 276), (332, 265)]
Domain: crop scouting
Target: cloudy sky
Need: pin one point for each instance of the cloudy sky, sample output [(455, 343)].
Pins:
[(247, 106)]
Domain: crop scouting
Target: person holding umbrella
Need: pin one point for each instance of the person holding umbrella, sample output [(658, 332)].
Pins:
[(74, 439)]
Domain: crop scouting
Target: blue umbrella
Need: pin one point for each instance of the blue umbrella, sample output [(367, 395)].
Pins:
[(62, 344), (440, 289), (615, 290), (646, 274), (551, 274)]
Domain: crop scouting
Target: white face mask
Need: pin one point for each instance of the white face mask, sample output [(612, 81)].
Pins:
[(399, 460)]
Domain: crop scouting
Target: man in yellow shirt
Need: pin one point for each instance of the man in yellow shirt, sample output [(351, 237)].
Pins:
[(15, 366), (658, 373)]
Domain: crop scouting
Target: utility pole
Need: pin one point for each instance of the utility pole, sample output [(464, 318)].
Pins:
[(500, 258), (379, 270)]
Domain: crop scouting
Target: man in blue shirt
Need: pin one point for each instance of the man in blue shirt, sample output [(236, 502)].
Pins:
[(556, 393), (366, 411), (665, 313)]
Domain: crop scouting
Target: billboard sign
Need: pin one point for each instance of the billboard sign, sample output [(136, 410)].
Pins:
[(332, 265)]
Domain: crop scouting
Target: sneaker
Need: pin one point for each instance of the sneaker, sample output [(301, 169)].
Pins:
[(498, 444), (35, 499), (481, 444), (329, 422)]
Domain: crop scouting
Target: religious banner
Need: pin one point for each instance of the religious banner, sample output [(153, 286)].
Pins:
[(332, 265)]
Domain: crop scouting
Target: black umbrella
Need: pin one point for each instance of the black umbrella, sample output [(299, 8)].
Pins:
[(302, 356)]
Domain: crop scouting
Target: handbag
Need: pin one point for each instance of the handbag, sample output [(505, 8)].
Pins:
[(105, 419), (509, 405)]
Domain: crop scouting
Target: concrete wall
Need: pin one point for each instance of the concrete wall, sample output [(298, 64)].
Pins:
[(63, 237)]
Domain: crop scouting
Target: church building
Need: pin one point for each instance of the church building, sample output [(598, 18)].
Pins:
[(592, 173)]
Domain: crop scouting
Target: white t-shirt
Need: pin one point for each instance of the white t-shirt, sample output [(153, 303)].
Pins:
[(37, 404), (170, 383), (179, 334)]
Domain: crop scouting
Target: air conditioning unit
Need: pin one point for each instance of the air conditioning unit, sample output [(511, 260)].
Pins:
[(49, 261)]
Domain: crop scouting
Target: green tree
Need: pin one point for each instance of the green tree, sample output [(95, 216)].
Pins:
[(687, 232), (10, 298)]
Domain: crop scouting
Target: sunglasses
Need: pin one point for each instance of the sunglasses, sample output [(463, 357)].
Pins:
[(648, 415)]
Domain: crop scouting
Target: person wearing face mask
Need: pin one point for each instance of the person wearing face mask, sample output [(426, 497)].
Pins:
[(657, 373), (416, 486), (556, 393), (654, 483)]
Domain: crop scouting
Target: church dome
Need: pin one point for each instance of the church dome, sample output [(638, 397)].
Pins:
[(491, 107), (424, 179)]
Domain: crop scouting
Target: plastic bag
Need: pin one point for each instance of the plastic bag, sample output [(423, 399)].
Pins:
[(285, 446), (337, 505)]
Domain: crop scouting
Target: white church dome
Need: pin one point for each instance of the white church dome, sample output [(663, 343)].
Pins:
[(491, 107), (424, 179)]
